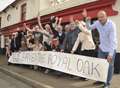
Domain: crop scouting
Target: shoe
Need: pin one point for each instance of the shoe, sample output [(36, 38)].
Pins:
[(46, 71), (35, 67), (106, 86), (83, 79), (98, 83), (117, 72)]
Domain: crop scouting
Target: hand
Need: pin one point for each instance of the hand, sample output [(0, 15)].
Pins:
[(71, 19), (60, 18), (109, 59), (84, 13), (72, 52), (18, 29), (56, 18), (8, 55), (61, 50), (88, 18), (77, 22), (24, 24)]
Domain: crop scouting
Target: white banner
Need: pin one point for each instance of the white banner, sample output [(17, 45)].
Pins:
[(83, 66)]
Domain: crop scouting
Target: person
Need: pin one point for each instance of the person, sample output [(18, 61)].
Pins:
[(37, 47), (14, 46), (67, 28), (108, 41), (47, 34), (19, 37), (70, 37), (57, 30), (7, 53), (35, 31), (23, 45), (7, 47), (85, 37)]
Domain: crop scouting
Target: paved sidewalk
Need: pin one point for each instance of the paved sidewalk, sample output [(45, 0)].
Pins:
[(7, 81), (38, 79)]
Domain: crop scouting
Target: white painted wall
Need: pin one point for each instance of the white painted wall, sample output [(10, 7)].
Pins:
[(34, 7), (116, 19), (15, 15), (46, 9)]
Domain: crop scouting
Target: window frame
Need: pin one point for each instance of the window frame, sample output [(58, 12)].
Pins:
[(23, 12)]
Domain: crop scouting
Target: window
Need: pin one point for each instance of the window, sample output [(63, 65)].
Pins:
[(0, 22), (23, 12), (8, 17), (56, 2)]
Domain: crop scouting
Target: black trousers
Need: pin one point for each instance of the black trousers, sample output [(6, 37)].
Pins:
[(117, 64), (90, 53), (47, 46)]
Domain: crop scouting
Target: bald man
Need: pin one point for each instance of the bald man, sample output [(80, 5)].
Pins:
[(108, 41)]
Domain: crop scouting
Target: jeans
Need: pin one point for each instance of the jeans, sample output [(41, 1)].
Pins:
[(104, 55)]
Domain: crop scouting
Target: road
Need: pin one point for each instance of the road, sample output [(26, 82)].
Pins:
[(50, 80), (8, 82)]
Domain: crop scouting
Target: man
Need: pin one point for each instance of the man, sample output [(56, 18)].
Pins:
[(14, 46), (108, 41), (70, 38)]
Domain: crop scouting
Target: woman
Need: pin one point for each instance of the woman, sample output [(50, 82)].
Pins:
[(85, 37)]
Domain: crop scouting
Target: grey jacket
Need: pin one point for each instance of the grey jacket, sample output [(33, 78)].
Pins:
[(70, 39)]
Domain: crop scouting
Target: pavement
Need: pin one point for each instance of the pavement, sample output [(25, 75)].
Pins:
[(38, 79), (7, 81)]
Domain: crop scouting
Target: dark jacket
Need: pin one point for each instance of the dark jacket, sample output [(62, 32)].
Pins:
[(70, 39), (14, 46)]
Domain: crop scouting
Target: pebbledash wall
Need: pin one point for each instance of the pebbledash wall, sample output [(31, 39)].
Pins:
[(33, 8), (64, 9), (14, 10), (116, 19)]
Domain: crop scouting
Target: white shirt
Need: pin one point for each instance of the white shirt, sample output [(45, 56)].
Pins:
[(85, 37), (108, 38), (46, 38)]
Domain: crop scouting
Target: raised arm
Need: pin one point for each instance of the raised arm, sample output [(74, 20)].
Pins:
[(60, 21), (87, 20), (27, 28), (39, 23), (83, 28), (56, 21)]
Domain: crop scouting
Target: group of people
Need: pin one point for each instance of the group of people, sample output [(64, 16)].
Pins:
[(52, 37), (75, 37)]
